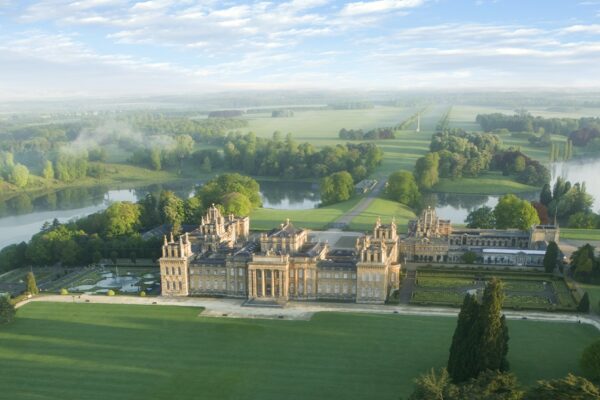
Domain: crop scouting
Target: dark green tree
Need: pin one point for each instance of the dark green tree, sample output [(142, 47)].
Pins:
[(482, 217), (7, 310), (551, 257), (31, 286), (493, 345), (337, 187), (402, 187), (546, 195), (590, 361), (584, 304), (463, 350)]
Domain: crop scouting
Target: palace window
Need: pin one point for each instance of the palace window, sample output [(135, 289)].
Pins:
[(168, 285), (240, 272), (337, 275), (345, 276), (300, 273), (353, 289), (337, 289), (180, 286), (291, 273), (353, 275)]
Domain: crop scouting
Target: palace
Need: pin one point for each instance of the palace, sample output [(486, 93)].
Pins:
[(219, 259), (222, 258)]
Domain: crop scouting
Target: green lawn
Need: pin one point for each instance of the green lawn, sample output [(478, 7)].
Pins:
[(580, 234), (316, 218), (386, 209), (488, 183), (92, 351)]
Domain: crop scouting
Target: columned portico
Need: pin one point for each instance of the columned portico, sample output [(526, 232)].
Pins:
[(268, 282)]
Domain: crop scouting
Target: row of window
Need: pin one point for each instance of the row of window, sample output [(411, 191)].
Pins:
[(173, 270), (174, 285), (370, 277), (337, 289)]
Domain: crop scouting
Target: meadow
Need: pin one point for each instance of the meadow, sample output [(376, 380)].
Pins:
[(92, 351)]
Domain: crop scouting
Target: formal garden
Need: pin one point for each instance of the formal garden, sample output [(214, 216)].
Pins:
[(524, 291)]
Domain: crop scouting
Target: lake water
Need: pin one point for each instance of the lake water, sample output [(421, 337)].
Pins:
[(23, 215)]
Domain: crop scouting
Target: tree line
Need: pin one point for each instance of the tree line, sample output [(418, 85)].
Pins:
[(118, 229)]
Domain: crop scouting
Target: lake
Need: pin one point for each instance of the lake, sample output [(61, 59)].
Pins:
[(23, 215)]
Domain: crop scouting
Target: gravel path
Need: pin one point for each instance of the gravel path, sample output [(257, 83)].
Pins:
[(234, 308), (361, 206)]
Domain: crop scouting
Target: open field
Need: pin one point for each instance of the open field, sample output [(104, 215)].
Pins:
[(92, 351), (488, 183), (386, 209), (317, 218), (523, 290), (323, 124), (580, 234)]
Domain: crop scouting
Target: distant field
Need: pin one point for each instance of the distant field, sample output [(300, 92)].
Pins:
[(93, 351), (326, 124), (386, 209), (488, 183)]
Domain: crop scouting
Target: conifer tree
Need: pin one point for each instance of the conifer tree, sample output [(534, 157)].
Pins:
[(31, 284), (550, 257), (493, 345), (461, 363), (584, 304)]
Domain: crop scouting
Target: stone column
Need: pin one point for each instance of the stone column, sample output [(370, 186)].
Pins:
[(272, 283), (305, 289), (296, 283), (262, 275)]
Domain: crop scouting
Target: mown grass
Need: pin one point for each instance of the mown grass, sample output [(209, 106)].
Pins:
[(92, 351), (386, 210), (316, 218), (580, 234), (488, 183)]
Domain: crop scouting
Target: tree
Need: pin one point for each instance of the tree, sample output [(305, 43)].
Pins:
[(583, 261), (569, 388), (469, 257), (171, 210), (493, 346), (584, 304), (213, 191), (463, 350), (512, 212), (336, 188), (546, 195), (433, 386), (122, 218), (402, 187), (48, 171), (31, 286), (480, 340), (590, 361), (551, 257), (19, 175), (155, 159), (426, 170), (7, 310), (482, 217), (236, 204)]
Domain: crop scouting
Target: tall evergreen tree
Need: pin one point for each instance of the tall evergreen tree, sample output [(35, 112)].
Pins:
[(31, 284), (493, 345), (546, 195), (462, 363), (551, 257), (584, 304), (480, 341)]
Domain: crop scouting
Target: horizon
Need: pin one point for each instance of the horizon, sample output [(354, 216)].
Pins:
[(62, 49)]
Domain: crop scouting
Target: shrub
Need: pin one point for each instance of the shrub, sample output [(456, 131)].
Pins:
[(142, 294), (590, 361), (110, 293), (64, 292), (7, 310)]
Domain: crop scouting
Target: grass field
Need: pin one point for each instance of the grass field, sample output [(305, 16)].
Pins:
[(489, 183), (580, 234), (317, 218), (91, 351), (386, 209)]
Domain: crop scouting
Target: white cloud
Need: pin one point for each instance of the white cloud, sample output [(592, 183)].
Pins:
[(378, 6)]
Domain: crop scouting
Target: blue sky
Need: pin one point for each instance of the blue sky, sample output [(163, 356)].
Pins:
[(53, 48)]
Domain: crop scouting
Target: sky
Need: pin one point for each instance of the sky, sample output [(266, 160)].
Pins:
[(99, 48)]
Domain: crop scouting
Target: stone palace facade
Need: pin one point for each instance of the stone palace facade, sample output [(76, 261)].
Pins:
[(221, 258)]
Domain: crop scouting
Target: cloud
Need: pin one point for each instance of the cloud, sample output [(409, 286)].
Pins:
[(378, 6)]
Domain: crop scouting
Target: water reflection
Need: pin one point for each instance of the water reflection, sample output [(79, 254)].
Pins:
[(23, 215), (580, 171)]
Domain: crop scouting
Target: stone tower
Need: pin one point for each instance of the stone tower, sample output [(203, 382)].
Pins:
[(174, 266)]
